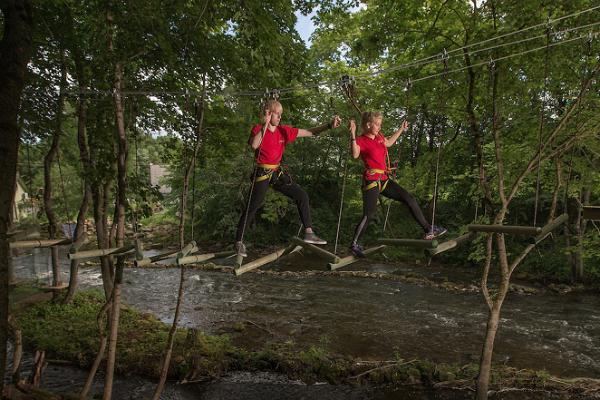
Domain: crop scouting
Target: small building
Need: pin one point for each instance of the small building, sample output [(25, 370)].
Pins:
[(21, 206), (158, 175)]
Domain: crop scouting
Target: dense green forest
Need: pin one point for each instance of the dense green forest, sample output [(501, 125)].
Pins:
[(429, 62), (501, 96)]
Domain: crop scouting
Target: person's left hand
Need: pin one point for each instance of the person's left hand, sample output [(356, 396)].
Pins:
[(336, 121)]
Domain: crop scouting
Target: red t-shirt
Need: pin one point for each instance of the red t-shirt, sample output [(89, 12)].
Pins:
[(373, 153), (273, 144)]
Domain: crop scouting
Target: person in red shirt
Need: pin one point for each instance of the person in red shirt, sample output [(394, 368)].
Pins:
[(372, 146), (269, 141)]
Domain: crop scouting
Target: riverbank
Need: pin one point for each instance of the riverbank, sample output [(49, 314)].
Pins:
[(69, 333)]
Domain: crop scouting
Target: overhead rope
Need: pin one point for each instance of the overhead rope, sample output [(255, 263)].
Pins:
[(429, 59)]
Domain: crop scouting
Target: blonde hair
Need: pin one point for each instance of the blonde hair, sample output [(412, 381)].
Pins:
[(271, 105), (368, 117)]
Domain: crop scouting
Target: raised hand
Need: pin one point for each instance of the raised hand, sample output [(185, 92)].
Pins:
[(352, 127), (267, 117), (336, 121), (404, 126)]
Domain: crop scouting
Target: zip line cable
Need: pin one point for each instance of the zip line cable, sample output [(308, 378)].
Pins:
[(423, 61)]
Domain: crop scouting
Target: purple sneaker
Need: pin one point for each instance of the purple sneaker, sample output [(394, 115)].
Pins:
[(436, 231), (357, 250)]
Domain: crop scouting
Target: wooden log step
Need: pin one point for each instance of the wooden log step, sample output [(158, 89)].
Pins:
[(510, 229), (198, 258), (262, 261), (61, 286), (450, 244), (31, 232), (549, 227), (159, 257), (420, 243), (30, 244), (316, 250), (100, 252), (345, 261), (591, 213), (188, 249)]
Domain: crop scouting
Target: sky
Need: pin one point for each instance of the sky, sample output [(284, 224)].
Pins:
[(305, 26)]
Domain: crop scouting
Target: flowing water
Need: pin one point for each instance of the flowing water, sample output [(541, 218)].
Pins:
[(366, 318)]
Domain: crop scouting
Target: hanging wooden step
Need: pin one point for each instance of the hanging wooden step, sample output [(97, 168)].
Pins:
[(243, 268), (31, 244), (419, 243), (591, 213), (549, 228), (61, 286), (159, 257), (451, 244), (510, 229), (330, 257), (198, 258), (345, 261), (100, 252)]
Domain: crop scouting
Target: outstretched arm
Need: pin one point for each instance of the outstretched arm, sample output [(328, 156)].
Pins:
[(334, 123), (392, 139), (354, 148)]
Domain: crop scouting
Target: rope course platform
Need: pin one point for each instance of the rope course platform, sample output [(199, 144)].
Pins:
[(591, 213)]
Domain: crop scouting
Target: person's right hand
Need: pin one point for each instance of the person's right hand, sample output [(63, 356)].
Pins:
[(352, 127), (267, 118)]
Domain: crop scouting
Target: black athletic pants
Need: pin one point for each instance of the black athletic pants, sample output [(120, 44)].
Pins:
[(281, 182), (394, 192)]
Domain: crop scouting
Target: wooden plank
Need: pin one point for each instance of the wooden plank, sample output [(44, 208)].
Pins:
[(420, 243), (345, 261), (100, 252), (30, 244), (139, 250), (549, 227), (260, 261), (203, 257), (31, 232), (60, 287), (188, 249), (159, 257), (316, 250), (510, 229), (591, 213), (451, 244)]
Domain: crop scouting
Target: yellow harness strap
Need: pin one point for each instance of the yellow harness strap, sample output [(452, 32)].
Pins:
[(271, 167), (376, 184)]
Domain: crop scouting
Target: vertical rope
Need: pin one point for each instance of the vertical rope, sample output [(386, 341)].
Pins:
[(399, 152), (437, 164), (64, 194), (193, 199), (30, 182), (263, 132), (541, 128)]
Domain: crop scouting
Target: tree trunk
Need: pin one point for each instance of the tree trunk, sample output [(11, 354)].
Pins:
[(120, 230), (84, 156), (48, 160), (15, 50)]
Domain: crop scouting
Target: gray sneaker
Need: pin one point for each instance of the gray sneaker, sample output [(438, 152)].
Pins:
[(311, 237), (240, 248)]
